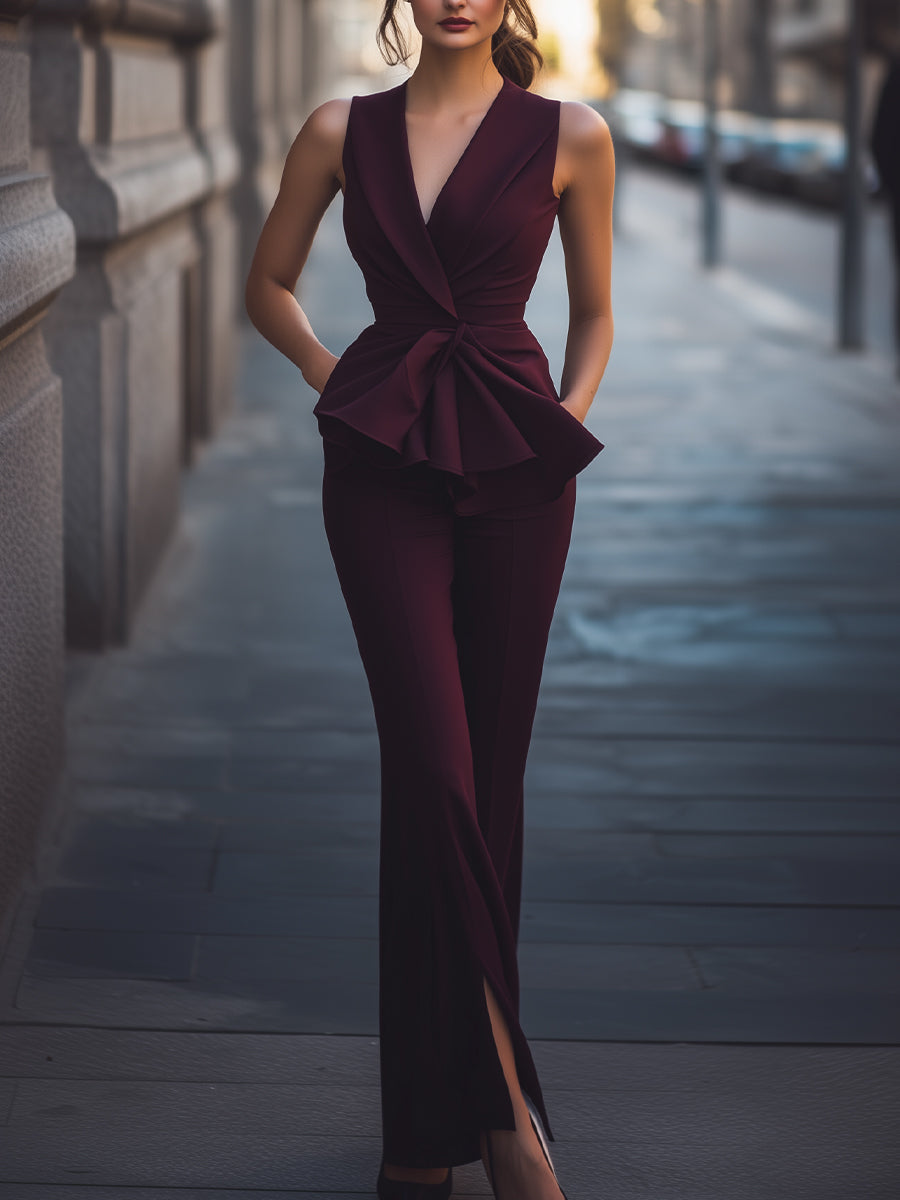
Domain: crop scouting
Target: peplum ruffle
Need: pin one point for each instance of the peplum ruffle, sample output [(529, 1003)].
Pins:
[(469, 399)]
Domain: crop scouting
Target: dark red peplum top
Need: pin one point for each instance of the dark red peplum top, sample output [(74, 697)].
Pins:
[(449, 373)]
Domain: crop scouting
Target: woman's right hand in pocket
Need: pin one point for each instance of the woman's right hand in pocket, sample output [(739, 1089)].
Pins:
[(318, 374)]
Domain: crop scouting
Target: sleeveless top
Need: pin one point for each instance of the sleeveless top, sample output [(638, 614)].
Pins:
[(449, 374)]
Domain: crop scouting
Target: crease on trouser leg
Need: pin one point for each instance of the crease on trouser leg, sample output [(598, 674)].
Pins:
[(443, 922)]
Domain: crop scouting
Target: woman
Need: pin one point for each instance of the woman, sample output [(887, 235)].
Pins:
[(448, 497)]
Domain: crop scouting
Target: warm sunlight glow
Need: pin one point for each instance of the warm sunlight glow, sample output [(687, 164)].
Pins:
[(646, 16), (571, 29)]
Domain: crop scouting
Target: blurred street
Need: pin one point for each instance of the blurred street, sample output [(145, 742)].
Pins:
[(711, 918), (780, 255)]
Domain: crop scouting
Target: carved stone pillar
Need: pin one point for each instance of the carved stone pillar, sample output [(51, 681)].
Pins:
[(37, 256), (129, 114)]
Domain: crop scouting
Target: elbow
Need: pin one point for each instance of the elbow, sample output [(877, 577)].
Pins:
[(254, 297), (600, 315)]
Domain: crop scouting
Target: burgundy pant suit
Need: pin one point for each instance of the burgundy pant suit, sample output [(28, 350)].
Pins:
[(448, 497)]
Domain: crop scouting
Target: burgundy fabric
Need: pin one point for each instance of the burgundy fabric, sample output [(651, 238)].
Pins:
[(451, 615), (449, 373)]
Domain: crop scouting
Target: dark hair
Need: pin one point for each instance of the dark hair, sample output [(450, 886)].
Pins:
[(513, 47)]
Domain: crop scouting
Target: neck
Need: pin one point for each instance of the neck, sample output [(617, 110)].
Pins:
[(454, 78)]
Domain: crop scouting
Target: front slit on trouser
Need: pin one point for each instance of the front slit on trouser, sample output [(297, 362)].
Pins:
[(451, 615)]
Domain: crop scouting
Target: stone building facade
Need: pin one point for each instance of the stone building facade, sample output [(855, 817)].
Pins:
[(37, 258), (140, 149)]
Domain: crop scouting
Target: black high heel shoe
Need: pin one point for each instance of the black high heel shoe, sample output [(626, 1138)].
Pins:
[(408, 1189), (538, 1127)]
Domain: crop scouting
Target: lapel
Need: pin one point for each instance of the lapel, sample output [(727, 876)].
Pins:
[(379, 152), (523, 124)]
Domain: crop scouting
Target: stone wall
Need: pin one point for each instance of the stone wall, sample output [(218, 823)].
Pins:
[(129, 113), (119, 278), (37, 257)]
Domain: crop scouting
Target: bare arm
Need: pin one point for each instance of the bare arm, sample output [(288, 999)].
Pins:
[(311, 178), (587, 170)]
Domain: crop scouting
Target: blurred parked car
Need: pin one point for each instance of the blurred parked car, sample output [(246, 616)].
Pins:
[(793, 156)]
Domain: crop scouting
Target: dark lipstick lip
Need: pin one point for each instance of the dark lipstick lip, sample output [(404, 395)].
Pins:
[(460, 21)]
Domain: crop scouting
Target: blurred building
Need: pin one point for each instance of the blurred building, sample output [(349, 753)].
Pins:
[(809, 42), (778, 57)]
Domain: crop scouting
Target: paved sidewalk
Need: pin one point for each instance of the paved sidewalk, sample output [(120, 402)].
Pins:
[(710, 947)]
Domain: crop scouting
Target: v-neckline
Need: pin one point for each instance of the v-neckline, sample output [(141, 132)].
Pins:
[(468, 146)]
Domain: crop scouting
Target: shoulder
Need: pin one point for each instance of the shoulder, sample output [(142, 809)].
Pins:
[(327, 124), (319, 145), (582, 130), (585, 158)]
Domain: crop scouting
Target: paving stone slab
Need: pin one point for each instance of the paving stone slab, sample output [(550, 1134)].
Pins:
[(193, 912), (335, 834), (136, 865), (883, 847), (132, 955), (321, 747), (320, 872), (274, 1006), (710, 705), (339, 838), (336, 961), (198, 1158), (167, 739), (348, 961), (285, 1006), (751, 970), (136, 770), (299, 774), (50, 1052), (662, 811), (65, 1109), (190, 689), (120, 831), (160, 803), (52, 1191), (754, 814), (7, 1092), (796, 1016), (542, 921), (697, 925), (713, 767), (750, 1136), (716, 881), (760, 661)]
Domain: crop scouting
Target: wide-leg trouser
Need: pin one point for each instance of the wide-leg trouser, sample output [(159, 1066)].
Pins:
[(451, 615)]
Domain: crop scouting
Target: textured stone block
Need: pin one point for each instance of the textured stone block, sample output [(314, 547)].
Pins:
[(31, 631), (115, 117), (37, 255)]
